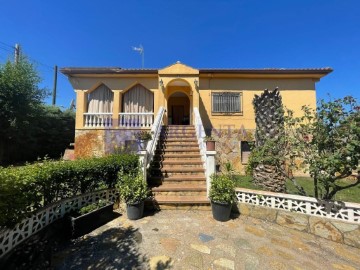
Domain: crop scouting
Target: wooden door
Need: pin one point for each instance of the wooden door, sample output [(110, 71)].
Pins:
[(177, 115)]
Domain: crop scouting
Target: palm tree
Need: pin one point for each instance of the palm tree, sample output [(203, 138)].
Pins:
[(269, 118)]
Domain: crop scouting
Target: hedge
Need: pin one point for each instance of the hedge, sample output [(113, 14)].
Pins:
[(28, 188)]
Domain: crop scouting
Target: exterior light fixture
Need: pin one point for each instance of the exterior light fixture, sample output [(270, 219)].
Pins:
[(161, 83), (196, 82)]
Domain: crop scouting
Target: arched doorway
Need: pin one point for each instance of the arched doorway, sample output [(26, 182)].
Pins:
[(178, 109)]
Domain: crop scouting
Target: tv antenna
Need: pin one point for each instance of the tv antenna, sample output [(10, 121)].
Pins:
[(140, 49)]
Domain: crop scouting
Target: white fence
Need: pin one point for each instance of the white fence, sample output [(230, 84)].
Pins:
[(98, 120), (10, 238), (330, 209), (136, 119), (155, 131)]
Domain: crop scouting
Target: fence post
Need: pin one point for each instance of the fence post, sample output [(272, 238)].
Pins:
[(210, 168)]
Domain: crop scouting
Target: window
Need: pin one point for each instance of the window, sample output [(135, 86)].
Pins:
[(226, 102), (245, 151)]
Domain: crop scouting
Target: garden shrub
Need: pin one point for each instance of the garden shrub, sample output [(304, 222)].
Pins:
[(28, 188)]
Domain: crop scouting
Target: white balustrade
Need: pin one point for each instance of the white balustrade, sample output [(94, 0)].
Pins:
[(208, 160), (98, 120), (344, 211), (136, 120), (200, 134), (155, 131), (10, 238)]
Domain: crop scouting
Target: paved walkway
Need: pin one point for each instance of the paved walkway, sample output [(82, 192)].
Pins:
[(194, 240)]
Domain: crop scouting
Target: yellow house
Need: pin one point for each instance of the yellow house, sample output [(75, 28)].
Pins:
[(128, 100), (180, 105)]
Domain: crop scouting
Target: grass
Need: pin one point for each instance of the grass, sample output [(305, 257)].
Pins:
[(347, 195)]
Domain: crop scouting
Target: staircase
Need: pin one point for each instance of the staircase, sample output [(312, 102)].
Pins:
[(177, 176)]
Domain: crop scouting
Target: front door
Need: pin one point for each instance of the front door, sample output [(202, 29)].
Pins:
[(177, 115)]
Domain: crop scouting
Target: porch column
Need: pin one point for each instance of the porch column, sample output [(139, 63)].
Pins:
[(195, 99), (81, 104), (116, 108), (210, 168)]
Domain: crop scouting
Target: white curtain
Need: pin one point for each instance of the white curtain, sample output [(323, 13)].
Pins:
[(101, 100), (138, 99)]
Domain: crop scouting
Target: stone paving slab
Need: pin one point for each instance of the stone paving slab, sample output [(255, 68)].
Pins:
[(194, 240)]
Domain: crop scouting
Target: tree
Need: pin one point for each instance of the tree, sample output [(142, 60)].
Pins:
[(29, 128), (327, 140), (20, 100), (324, 142), (266, 159)]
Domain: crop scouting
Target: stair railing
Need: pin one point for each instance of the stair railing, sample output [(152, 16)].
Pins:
[(155, 131), (200, 134)]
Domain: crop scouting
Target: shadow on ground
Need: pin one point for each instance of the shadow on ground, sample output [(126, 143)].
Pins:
[(113, 248)]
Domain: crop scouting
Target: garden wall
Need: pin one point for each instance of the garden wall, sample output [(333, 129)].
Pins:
[(101, 142), (336, 221)]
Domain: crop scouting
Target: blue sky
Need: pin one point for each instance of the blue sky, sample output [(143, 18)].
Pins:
[(202, 34)]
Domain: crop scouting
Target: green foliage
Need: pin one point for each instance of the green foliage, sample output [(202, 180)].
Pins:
[(209, 139), (132, 187), (347, 195), (27, 188), (30, 129), (143, 135), (324, 142), (222, 188), (94, 206), (328, 141)]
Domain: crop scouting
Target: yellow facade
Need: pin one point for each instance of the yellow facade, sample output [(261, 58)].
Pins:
[(178, 85)]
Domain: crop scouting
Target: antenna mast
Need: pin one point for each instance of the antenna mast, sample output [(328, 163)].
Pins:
[(141, 50)]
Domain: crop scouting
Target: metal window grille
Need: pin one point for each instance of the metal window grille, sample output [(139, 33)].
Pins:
[(226, 102)]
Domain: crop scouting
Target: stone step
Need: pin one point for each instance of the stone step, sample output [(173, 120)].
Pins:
[(177, 151), (182, 199), (179, 190), (181, 169), (177, 179), (179, 126), (177, 137), (166, 162), (178, 140), (181, 202), (178, 145), (178, 156), (178, 132)]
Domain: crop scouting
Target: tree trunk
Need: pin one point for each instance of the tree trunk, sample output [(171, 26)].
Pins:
[(269, 178)]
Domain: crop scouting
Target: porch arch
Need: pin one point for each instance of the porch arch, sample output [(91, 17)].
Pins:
[(100, 99), (138, 99)]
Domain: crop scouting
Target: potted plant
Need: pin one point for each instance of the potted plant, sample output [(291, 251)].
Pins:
[(90, 217), (143, 137), (133, 191), (222, 196), (210, 143)]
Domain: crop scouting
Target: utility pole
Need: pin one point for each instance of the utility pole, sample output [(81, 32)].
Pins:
[(17, 53), (55, 83)]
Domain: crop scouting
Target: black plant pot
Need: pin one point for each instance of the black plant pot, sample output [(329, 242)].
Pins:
[(221, 211), (135, 211), (84, 224)]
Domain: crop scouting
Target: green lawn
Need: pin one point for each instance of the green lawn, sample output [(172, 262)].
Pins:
[(347, 195)]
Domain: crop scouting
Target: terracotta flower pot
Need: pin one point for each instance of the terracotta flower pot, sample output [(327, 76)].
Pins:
[(210, 145)]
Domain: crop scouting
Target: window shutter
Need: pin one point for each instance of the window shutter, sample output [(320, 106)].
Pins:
[(226, 102)]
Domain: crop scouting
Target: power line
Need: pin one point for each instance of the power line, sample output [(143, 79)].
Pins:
[(5, 49), (7, 45)]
